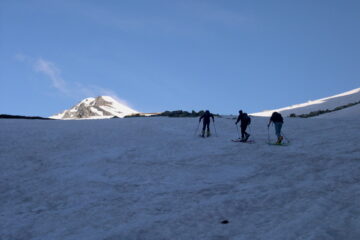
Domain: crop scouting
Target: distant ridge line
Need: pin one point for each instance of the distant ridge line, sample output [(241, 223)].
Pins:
[(7, 116)]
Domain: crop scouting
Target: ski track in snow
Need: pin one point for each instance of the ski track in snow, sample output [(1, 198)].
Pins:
[(151, 178)]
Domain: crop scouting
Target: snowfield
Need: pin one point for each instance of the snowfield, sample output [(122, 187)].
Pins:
[(151, 178)]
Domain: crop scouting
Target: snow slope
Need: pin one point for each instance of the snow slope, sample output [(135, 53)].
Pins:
[(151, 178), (96, 108), (350, 112), (320, 104)]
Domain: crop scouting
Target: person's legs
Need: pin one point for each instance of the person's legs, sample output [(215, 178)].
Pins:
[(242, 132), (208, 128), (203, 129), (278, 127)]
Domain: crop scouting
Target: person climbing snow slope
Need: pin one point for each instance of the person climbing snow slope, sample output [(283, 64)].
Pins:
[(278, 121), (206, 123), (245, 121)]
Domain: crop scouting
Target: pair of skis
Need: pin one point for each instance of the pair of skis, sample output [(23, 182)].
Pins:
[(205, 135), (278, 144), (242, 141), (252, 141)]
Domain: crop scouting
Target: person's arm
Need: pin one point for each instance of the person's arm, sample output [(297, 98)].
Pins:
[(270, 120), (212, 117), (201, 118)]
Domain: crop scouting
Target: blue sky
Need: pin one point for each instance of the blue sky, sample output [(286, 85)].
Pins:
[(168, 55)]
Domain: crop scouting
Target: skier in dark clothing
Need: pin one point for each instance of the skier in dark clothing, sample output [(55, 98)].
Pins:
[(278, 121), (245, 121), (206, 122)]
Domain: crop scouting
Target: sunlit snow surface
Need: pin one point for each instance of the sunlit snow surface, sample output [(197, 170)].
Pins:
[(316, 105), (151, 178)]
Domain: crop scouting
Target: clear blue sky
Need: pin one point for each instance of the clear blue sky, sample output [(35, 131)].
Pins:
[(168, 55)]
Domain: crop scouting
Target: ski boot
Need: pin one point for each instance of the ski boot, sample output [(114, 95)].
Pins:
[(279, 140), (246, 137), (208, 133)]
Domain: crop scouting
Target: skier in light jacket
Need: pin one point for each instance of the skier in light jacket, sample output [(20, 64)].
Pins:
[(278, 121)]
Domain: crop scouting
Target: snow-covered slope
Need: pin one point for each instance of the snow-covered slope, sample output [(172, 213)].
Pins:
[(96, 108), (151, 178), (316, 105), (351, 112)]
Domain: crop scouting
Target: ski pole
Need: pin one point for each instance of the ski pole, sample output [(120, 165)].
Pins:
[(197, 129), (250, 130), (285, 137), (215, 128), (237, 130)]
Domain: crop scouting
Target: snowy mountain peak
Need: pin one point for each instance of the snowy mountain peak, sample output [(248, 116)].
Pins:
[(96, 108), (87, 100)]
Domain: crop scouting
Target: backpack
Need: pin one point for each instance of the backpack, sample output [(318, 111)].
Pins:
[(276, 117), (247, 119)]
